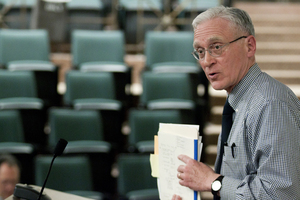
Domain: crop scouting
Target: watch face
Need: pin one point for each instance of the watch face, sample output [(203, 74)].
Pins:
[(216, 186)]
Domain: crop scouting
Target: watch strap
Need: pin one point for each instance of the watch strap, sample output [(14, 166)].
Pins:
[(220, 178)]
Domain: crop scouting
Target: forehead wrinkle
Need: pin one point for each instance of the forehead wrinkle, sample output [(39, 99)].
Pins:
[(212, 30), (210, 40)]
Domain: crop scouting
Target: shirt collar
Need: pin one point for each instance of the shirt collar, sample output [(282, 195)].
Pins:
[(243, 86)]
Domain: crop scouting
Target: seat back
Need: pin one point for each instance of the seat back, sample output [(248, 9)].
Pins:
[(128, 180), (75, 125), (144, 124), (200, 5), (166, 86), (84, 15), (84, 85), (11, 128), (26, 44), (163, 47), (17, 84), (18, 13), (92, 46), (67, 173)]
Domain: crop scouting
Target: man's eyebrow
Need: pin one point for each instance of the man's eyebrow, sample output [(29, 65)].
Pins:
[(210, 41), (195, 45)]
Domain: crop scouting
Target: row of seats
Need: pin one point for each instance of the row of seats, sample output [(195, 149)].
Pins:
[(98, 50), (95, 92), (91, 114), (87, 129), (20, 14), (92, 175), (96, 14), (98, 78)]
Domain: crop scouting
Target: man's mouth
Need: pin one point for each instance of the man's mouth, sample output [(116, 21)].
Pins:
[(212, 75)]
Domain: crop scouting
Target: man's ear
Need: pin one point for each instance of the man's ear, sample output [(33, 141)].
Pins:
[(251, 45)]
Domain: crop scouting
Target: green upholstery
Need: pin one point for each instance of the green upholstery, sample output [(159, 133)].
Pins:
[(18, 90), (135, 175), (16, 45), (102, 51), (17, 84), (82, 85), (170, 47), (67, 173), (91, 90), (97, 46), (134, 5), (200, 5), (144, 124), (83, 130), (97, 91), (11, 126), (29, 50), (12, 134), (88, 5), (183, 67), (75, 125), (167, 87), (147, 194), (12, 141)]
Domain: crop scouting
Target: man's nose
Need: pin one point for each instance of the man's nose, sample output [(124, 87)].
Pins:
[(207, 60)]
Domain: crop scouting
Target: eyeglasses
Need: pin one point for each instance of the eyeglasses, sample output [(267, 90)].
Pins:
[(214, 50)]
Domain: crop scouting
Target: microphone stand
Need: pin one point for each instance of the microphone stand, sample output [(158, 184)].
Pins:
[(60, 147), (42, 190)]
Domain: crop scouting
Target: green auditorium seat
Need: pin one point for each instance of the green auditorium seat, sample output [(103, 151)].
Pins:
[(83, 129), (12, 141), (144, 124), (170, 52), (29, 50), (133, 186), (102, 51), (167, 91), (96, 91), (91, 90), (18, 91), (69, 174)]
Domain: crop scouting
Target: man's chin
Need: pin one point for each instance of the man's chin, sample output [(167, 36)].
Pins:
[(217, 87)]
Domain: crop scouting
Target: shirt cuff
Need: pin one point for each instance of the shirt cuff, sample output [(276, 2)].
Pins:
[(229, 187)]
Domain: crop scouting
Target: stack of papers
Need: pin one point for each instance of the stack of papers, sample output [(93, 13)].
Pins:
[(174, 140)]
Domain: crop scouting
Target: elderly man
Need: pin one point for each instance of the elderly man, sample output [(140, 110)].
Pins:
[(259, 158)]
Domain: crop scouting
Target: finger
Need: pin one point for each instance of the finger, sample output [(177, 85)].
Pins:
[(184, 158), (181, 168), (179, 175), (176, 197)]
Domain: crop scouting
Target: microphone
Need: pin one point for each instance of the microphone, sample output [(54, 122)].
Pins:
[(59, 149)]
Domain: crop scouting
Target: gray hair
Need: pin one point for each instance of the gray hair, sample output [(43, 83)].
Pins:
[(237, 17)]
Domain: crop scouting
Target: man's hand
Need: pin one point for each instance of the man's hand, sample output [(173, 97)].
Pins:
[(195, 175), (176, 197)]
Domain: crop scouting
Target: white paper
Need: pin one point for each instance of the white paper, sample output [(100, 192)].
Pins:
[(175, 139)]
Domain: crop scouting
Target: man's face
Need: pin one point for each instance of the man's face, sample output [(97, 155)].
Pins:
[(9, 177), (226, 70)]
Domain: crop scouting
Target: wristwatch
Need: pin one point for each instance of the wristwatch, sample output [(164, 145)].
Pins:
[(216, 185)]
